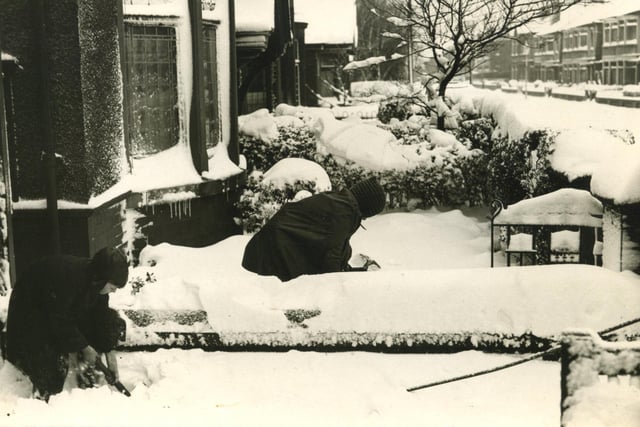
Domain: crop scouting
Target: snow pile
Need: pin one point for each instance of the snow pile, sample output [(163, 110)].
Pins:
[(603, 405), (259, 125), (288, 171), (566, 206), (366, 145), (613, 165), (510, 301), (220, 165)]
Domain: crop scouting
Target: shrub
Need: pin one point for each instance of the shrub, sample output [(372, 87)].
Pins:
[(492, 168), (508, 168), (292, 141), (478, 131), (541, 178), (398, 108), (259, 202)]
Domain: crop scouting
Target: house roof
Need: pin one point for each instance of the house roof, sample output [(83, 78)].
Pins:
[(567, 206), (583, 14), (329, 21)]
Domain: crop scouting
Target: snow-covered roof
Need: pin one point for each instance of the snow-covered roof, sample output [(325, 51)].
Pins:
[(255, 15), (329, 21), (583, 14), (566, 206)]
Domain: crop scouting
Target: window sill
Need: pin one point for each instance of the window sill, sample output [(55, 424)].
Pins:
[(205, 188)]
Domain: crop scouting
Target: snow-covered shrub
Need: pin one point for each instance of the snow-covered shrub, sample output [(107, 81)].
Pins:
[(292, 141), (259, 202), (541, 177), (398, 108), (414, 130), (478, 132), (508, 168)]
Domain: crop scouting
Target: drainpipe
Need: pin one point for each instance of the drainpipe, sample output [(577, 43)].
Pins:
[(49, 155), (234, 152)]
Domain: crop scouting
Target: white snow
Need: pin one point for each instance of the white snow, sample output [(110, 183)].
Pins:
[(566, 206), (288, 171), (412, 292), (588, 141)]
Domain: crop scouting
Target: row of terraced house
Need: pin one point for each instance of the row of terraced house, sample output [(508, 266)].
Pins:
[(587, 43)]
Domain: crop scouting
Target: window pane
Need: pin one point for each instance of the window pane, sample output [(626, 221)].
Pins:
[(151, 84), (210, 65), (632, 30)]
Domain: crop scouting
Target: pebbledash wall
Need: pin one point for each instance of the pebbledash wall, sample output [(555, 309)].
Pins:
[(74, 96)]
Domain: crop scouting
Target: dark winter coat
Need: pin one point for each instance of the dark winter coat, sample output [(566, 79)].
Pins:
[(55, 309), (310, 236)]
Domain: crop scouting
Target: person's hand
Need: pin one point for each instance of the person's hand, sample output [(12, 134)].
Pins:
[(371, 264), (112, 364), (89, 354)]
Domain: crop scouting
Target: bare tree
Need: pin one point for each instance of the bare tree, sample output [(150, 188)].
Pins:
[(456, 34)]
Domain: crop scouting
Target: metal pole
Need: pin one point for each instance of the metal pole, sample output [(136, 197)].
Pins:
[(410, 45)]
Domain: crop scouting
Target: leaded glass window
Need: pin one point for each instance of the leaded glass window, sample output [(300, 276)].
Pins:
[(151, 84), (211, 108)]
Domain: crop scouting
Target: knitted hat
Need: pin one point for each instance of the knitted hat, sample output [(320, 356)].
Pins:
[(370, 196), (110, 265)]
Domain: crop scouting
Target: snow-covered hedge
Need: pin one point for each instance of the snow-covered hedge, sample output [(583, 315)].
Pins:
[(447, 174), (481, 160)]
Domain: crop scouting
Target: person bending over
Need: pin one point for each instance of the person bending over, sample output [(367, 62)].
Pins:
[(311, 236), (59, 314)]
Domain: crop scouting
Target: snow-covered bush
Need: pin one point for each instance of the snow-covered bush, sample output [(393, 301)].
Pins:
[(520, 168), (478, 132), (541, 177), (395, 109), (292, 141), (414, 130), (260, 201)]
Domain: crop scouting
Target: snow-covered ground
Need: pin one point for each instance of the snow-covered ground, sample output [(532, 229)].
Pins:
[(192, 387), (434, 279)]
